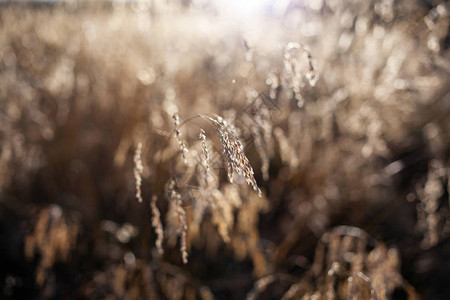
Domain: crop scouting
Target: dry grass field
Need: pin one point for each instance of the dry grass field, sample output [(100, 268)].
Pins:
[(290, 149)]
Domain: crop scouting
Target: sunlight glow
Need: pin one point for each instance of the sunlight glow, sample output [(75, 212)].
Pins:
[(246, 7)]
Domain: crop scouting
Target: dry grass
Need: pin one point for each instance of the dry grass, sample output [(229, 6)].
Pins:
[(299, 154)]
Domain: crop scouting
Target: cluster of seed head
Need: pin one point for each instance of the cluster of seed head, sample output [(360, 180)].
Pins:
[(138, 169), (202, 137), (157, 225), (209, 180), (53, 236), (177, 132), (175, 197), (428, 215), (233, 150), (293, 70)]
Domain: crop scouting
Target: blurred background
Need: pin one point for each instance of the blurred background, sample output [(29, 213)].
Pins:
[(342, 107)]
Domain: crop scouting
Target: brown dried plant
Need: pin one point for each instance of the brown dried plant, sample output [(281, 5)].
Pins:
[(293, 69), (176, 202), (138, 169), (157, 225), (233, 150), (177, 132), (351, 264), (53, 237), (428, 214), (347, 149), (209, 181)]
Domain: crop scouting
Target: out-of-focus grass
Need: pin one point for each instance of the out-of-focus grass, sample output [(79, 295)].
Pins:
[(367, 145)]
